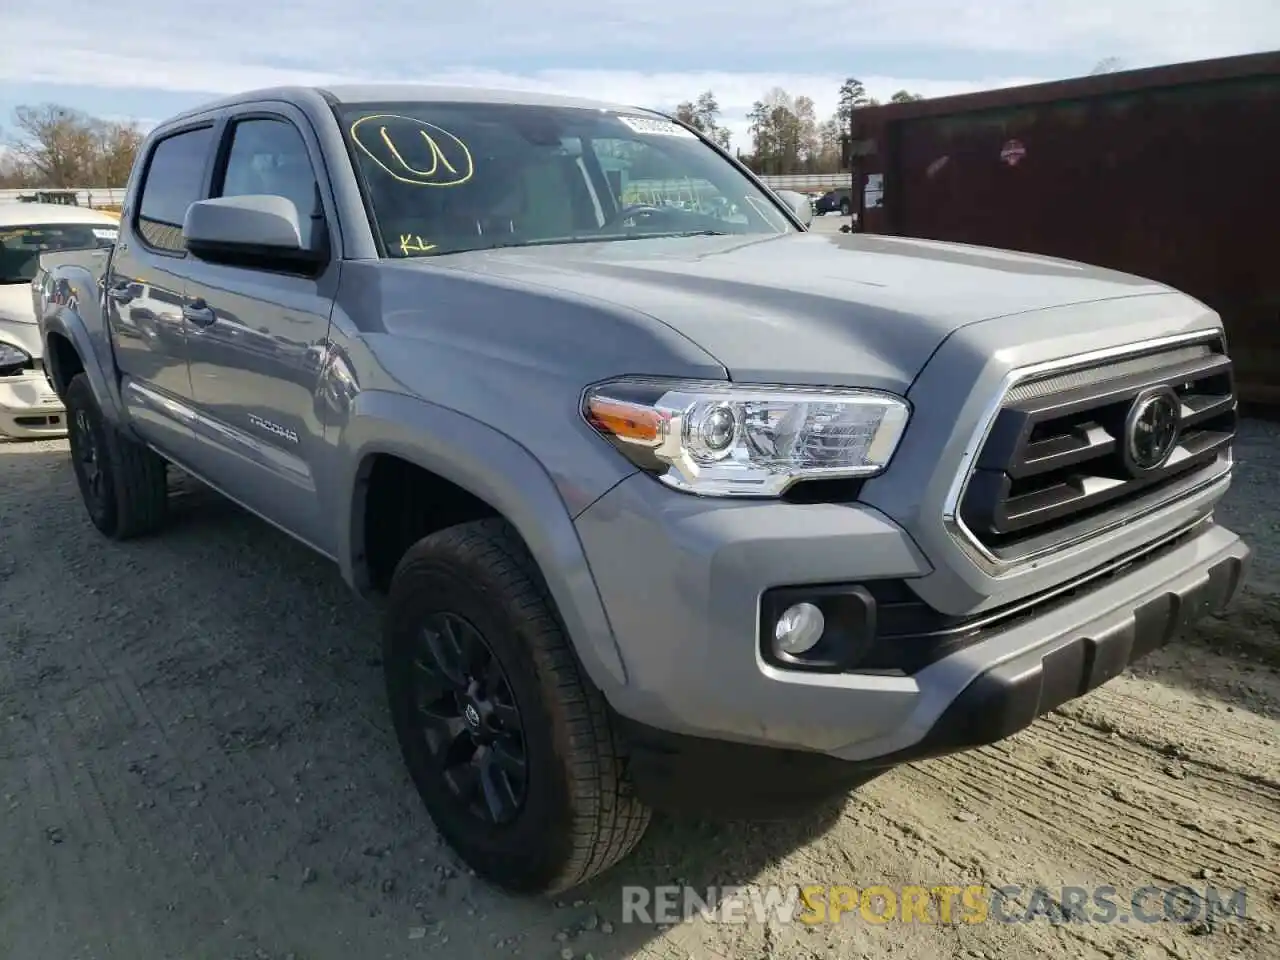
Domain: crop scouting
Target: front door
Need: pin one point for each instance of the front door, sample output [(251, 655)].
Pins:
[(255, 333), (144, 285)]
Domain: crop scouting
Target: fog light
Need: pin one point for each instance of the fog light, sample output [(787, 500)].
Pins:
[(798, 629)]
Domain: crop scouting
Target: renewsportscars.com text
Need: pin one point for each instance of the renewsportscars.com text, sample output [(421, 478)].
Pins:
[(813, 904)]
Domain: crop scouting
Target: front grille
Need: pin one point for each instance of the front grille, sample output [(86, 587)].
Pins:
[(1064, 456)]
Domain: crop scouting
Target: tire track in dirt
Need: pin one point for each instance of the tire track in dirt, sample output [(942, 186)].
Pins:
[(1166, 719), (135, 716), (1123, 824), (175, 814), (71, 825)]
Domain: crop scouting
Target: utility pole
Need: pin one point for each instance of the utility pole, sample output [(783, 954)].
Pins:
[(847, 156)]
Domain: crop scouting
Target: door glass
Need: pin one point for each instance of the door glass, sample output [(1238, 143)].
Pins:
[(175, 176), (270, 157)]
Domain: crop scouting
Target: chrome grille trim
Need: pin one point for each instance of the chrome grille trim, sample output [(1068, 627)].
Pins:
[(1062, 374)]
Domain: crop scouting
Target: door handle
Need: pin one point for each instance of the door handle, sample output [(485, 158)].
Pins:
[(199, 313)]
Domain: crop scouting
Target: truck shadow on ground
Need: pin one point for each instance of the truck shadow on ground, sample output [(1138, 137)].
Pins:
[(222, 688), (706, 856)]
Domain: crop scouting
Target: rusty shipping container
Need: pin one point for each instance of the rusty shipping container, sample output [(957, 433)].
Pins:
[(1171, 173)]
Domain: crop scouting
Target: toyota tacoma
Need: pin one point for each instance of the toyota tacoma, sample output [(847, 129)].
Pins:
[(671, 504)]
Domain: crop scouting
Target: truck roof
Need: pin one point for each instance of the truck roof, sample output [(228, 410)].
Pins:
[(405, 92)]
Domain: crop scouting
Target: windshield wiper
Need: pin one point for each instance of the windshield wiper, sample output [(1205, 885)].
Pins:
[(690, 233), (668, 236), (557, 241)]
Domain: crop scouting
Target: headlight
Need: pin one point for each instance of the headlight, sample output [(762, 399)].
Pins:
[(11, 356), (731, 440)]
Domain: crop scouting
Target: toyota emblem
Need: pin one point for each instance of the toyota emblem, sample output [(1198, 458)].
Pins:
[(1151, 429)]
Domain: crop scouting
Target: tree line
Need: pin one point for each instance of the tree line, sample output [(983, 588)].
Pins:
[(53, 146), (786, 134)]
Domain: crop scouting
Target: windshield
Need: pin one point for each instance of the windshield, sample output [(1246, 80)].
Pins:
[(22, 244), (447, 177)]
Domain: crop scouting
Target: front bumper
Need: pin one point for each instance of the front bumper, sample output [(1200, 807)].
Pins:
[(682, 579), (29, 409), (1208, 568)]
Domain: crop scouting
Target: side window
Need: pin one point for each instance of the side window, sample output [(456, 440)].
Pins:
[(174, 178), (270, 157)]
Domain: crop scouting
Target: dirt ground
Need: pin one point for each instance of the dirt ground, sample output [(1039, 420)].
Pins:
[(195, 762)]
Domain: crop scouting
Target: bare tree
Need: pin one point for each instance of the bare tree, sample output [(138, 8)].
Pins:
[(56, 146), (829, 133), (704, 114), (806, 133), (116, 145), (13, 171), (54, 141), (786, 135)]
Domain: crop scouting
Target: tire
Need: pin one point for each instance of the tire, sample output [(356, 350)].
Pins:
[(844, 208), (122, 483), (573, 813)]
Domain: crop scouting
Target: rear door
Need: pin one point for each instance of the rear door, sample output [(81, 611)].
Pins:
[(255, 332), (144, 287)]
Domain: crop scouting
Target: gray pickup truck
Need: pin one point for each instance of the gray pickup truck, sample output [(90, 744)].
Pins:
[(671, 502)]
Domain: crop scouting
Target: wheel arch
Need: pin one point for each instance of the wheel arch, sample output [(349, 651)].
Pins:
[(70, 348), (498, 472)]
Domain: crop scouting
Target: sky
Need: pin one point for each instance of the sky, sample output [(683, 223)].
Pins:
[(143, 60)]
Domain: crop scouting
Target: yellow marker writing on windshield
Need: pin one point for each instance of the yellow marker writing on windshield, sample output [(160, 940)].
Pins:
[(412, 243), (437, 158), (386, 138)]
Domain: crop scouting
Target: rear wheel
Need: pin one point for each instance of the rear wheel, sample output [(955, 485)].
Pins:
[(510, 747), (844, 208), (122, 483)]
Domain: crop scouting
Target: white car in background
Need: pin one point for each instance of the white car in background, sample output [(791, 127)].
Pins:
[(28, 407)]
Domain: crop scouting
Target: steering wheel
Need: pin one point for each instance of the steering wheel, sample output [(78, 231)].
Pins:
[(630, 210)]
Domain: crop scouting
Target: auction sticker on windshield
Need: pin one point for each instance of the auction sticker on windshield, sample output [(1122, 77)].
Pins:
[(661, 128), (105, 233)]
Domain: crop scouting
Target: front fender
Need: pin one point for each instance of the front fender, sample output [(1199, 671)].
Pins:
[(494, 467), (70, 309)]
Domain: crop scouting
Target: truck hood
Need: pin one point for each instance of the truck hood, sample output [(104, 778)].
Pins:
[(807, 308)]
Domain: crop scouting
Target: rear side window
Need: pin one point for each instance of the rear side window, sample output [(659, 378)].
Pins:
[(174, 180)]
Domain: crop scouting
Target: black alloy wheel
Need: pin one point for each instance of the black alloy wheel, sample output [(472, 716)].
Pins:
[(86, 454), (470, 720)]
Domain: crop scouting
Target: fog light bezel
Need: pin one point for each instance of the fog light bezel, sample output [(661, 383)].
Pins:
[(849, 614)]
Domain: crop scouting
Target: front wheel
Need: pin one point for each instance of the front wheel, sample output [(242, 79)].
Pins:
[(510, 747), (844, 208)]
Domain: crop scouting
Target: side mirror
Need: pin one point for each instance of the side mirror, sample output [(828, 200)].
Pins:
[(257, 226), (799, 203)]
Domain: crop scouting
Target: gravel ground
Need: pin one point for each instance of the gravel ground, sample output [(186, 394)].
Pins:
[(195, 762)]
